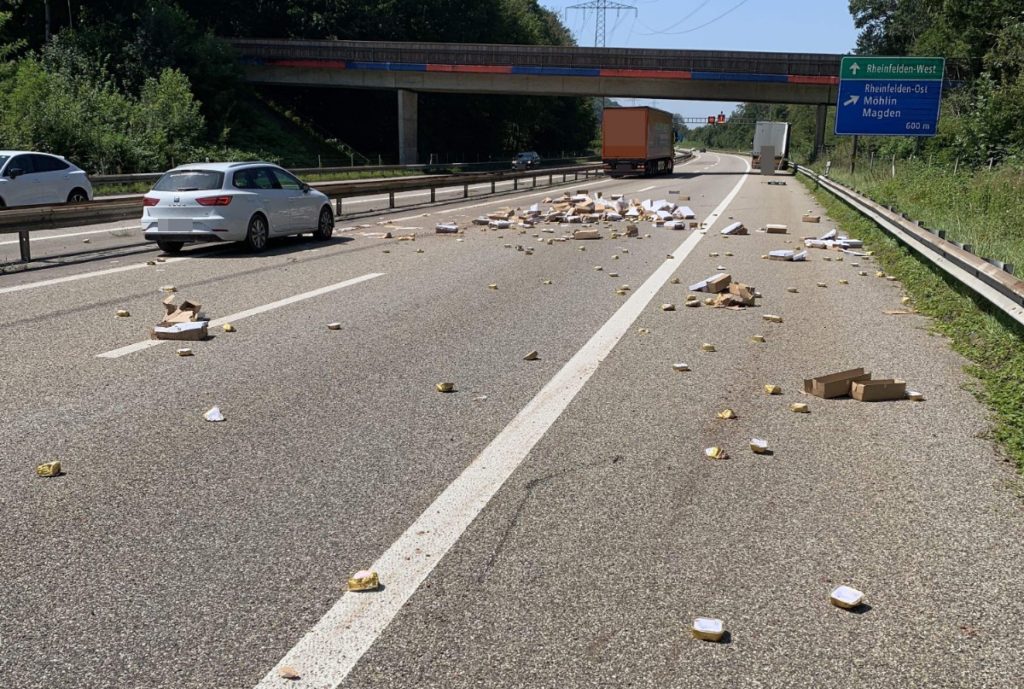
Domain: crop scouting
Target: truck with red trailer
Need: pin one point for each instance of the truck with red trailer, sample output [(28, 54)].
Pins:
[(637, 141)]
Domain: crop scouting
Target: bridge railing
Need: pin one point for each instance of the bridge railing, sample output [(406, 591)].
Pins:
[(541, 56)]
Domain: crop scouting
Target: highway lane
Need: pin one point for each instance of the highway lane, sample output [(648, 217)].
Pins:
[(186, 554)]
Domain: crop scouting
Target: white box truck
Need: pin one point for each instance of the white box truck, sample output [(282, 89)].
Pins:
[(775, 135)]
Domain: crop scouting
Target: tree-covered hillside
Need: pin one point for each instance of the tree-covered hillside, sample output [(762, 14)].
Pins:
[(122, 85)]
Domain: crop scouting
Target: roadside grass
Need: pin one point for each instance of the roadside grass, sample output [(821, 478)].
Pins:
[(980, 207), (992, 342)]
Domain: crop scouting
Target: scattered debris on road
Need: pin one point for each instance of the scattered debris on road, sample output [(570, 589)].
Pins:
[(770, 389), (445, 387), (809, 217), (213, 414), (446, 228), (184, 351), (334, 326), (228, 328), (708, 629), (800, 408), (846, 597), (364, 580), (181, 322), (835, 384), (759, 446), (289, 673), (881, 390), (727, 415), (123, 313), (707, 347), (532, 356), (680, 367), (716, 453), (48, 469)]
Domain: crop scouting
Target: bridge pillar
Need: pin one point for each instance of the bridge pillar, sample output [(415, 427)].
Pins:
[(819, 131), (408, 120)]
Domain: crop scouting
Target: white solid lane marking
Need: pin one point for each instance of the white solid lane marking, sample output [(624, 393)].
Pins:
[(646, 188), (83, 276), (329, 651), (146, 344), (73, 234)]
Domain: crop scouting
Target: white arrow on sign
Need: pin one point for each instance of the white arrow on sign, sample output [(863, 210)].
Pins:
[(852, 100), (854, 68)]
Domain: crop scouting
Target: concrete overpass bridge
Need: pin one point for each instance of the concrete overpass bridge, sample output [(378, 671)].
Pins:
[(799, 78)]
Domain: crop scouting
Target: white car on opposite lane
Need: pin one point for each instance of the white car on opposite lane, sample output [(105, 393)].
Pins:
[(233, 202), (28, 178)]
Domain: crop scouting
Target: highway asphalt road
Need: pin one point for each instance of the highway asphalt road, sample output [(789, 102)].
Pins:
[(552, 523)]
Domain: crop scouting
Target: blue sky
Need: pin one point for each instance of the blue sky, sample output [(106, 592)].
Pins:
[(813, 26)]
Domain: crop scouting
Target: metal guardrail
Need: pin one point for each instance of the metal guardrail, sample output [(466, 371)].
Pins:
[(985, 277), (23, 221)]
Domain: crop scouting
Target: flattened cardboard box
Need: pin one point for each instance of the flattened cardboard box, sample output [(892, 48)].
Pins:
[(835, 384), (878, 390)]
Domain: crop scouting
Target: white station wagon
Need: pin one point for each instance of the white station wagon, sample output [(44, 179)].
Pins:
[(232, 202), (28, 179)]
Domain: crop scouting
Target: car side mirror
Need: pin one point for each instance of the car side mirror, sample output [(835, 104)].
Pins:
[(15, 172), (305, 188)]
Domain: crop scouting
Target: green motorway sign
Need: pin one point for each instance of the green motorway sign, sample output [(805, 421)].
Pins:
[(909, 68)]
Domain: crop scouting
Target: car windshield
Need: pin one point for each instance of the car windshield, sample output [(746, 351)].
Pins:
[(190, 180)]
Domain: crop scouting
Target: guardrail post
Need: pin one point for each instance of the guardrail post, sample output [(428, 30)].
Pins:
[(564, 176), (23, 244), (391, 199), (433, 194), (535, 181), (465, 191), (515, 184), (337, 206), (575, 176), (551, 180), (492, 186)]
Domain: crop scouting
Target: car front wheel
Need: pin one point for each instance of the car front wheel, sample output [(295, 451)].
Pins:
[(325, 226), (258, 234)]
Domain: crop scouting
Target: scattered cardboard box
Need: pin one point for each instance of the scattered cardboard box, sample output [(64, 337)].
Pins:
[(714, 284), (811, 218), (835, 384), (774, 228), (878, 390), (586, 234), (735, 229)]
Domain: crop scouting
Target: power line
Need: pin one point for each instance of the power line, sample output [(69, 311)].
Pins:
[(601, 8), (663, 32)]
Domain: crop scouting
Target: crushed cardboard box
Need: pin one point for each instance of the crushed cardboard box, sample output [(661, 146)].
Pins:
[(835, 384), (180, 322)]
